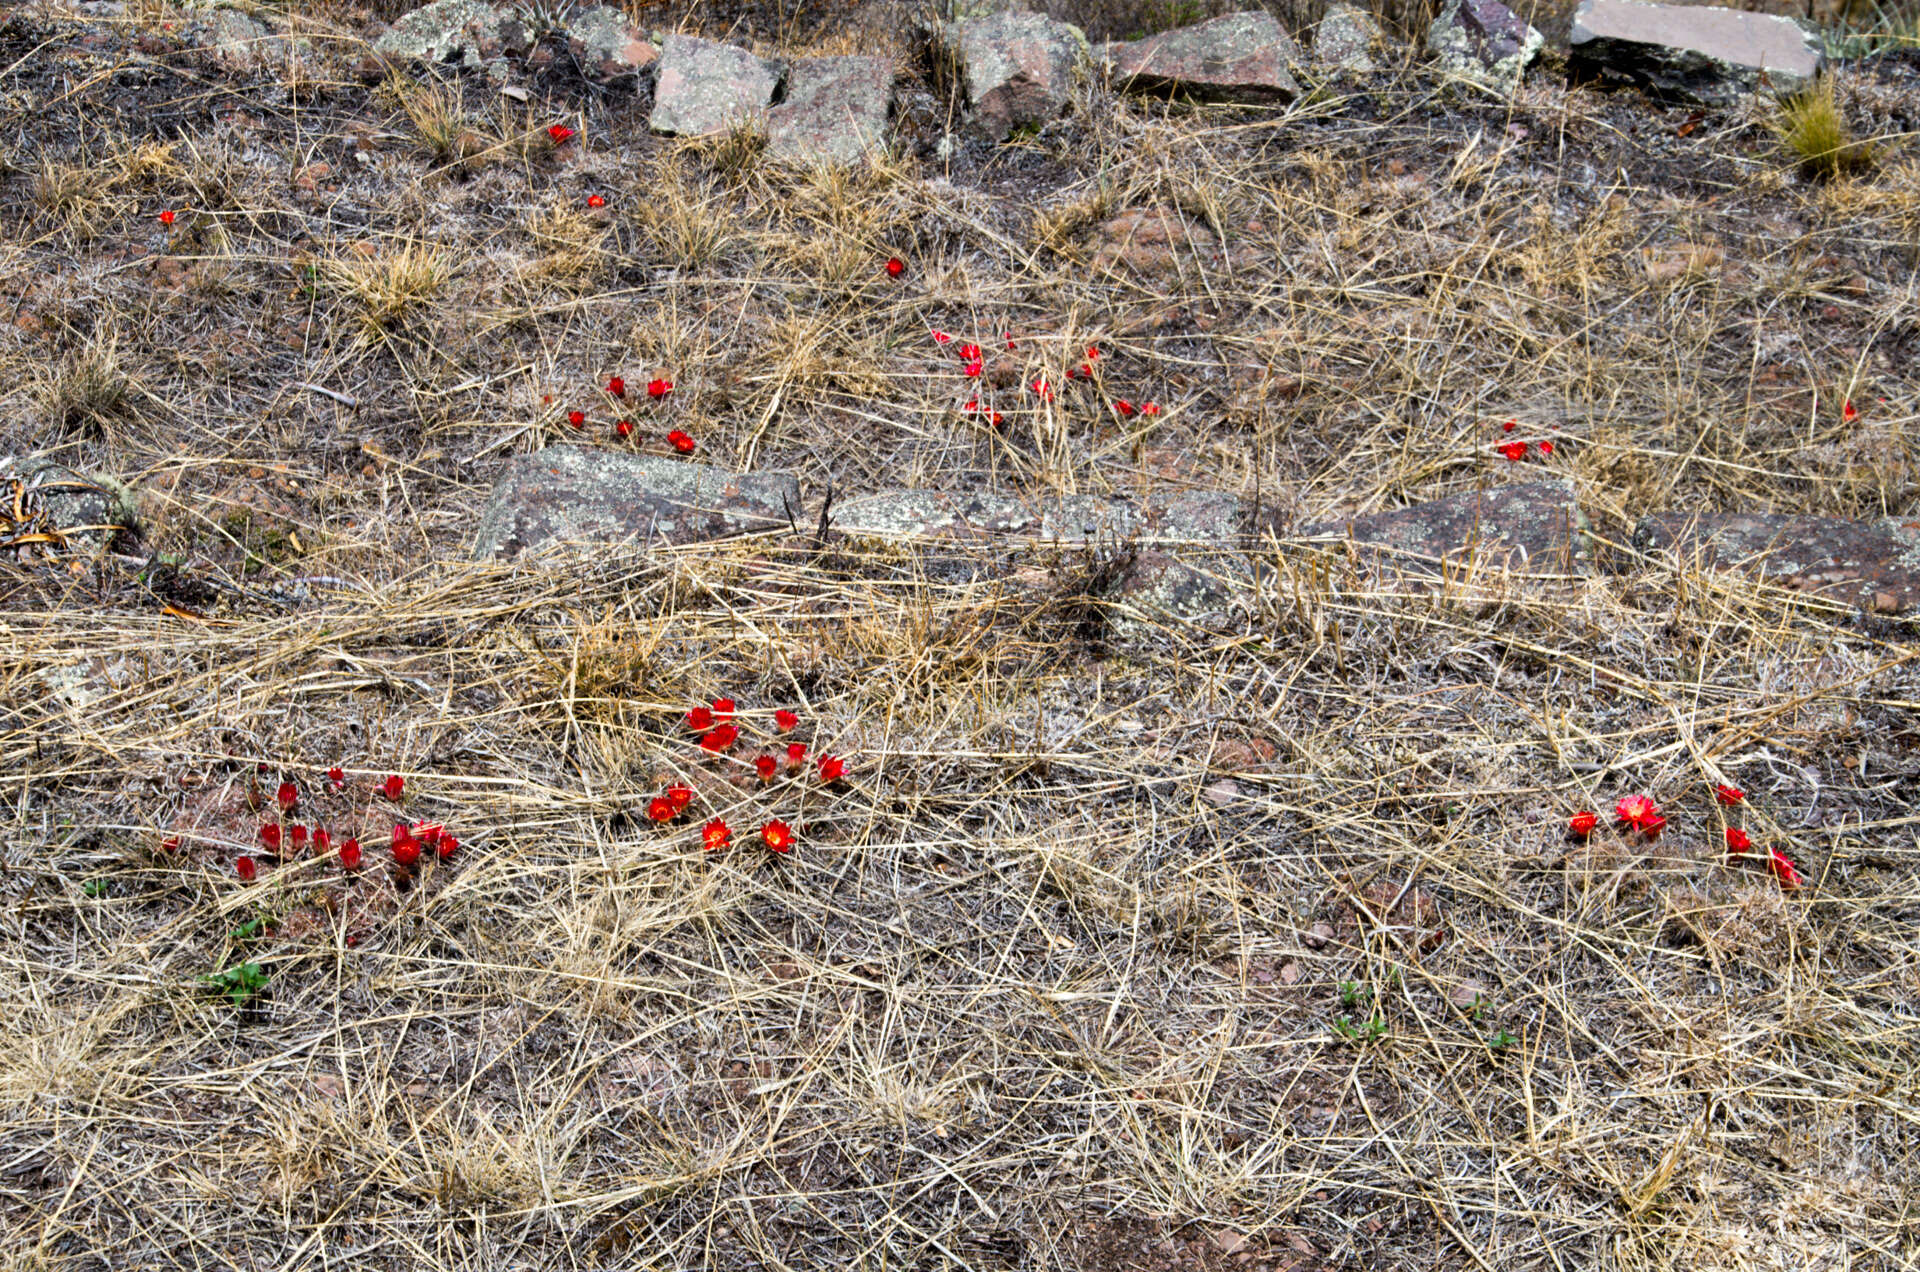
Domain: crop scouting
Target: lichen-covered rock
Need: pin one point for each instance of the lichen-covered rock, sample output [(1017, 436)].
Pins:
[(1872, 564), (74, 510), (1242, 57), (835, 110), (607, 46), (465, 33), (1346, 38), (233, 41), (1536, 527), (1019, 68), (1158, 594), (701, 87), (1698, 54), (1484, 42), (577, 495), (1194, 517)]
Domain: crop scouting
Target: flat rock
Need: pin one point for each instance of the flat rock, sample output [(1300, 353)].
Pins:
[(1346, 38), (1872, 564), (702, 87), (1535, 526), (1198, 517), (1242, 57), (1483, 42), (835, 110), (1159, 592), (1701, 54), (465, 33), (607, 46), (1019, 68), (579, 495)]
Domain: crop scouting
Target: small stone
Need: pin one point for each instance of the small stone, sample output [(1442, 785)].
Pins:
[(1468, 994), (1289, 973), (1223, 792), (1483, 42), (1318, 936), (702, 87), (1886, 603), (1703, 54)]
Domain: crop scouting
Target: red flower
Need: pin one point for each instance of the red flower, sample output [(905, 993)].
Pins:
[(972, 369), (1150, 409), (680, 441), (336, 778), (1847, 416), (796, 753), (1784, 870), (940, 337), (1041, 387), (895, 267), (994, 419), (1738, 840), (658, 388), (400, 833), (617, 386), (969, 353), (166, 217), (1509, 426), (723, 708), (287, 796), (244, 867), (170, 844), (715, 835), (765, 767), (428, 833), (1546, 448), (720, 739), (350, 855), (1093, 353), (1123, 408), (298, 835), (1009, 339), (1728, 794), (832, 769), (1652, 827), (1514, 451), (577, 418), (322, 842), (270, 836), (972, 406), (1582, 824), (679, 795), (596, 201), (393, 786), (447, 846), (406, 851), (661, 809), (1073, 373), (700, 719), (777, 835), (561, 134), (1637, 811), (785, 720), (624, 428)]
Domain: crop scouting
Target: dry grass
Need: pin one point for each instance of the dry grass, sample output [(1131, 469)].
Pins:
[(1262, 939)]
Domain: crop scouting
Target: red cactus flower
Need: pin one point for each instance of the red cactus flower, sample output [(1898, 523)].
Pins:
[(1150, 409), (624, 428), (393, 786), (1093, 353), (170, 844), (428, 833), (322, 842), (972, 369), (700, 719), (1509, 426), (447, 846), (1009, 339), (785, 720), (561, 134), (401, 833), (350, 855), (661, 809), (1514, 451), (972, 406), (940, 337), (777, 835), (1784, 870), (1637, 811), (658, 388), (407, 851), (832, 769), (1582, 824), (1728, 794), (1123, 408), (723, 708), (994, 419), (722, 737), (680, 441), (336, 778), (679, 795), (577, 418), (969, 352), (297, 835), (895, 267), (287, 796), (166, 217), (1546, 448), (244, 867), (1847, 416), (1738, 840), (596, 201), (766, 766), (715, 835), (1073, 373), (616, 386), (1652, 827), (270, 836), (1041, 387)]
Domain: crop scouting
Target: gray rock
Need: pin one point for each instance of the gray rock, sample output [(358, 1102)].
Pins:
[(76, 510), (1698, 54), (1346, 38), (1535, 526), (1874, 565), (1483, 42), (1197, 517), (465, 33), (237, 42), (607, 46), (1019, 68), (835, 110), (1242, 57), (578, 495), (702, 87)]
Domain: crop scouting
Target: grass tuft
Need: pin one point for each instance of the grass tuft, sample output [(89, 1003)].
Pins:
[(1813, 128)]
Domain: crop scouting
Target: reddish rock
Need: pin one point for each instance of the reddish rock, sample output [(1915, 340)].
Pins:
[(1872, 564), (1534, 526), (1242, 57), (1019, 69), (607, 46), (835, 111), (702, 87)]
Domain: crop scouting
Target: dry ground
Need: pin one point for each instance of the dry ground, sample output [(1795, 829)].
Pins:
[(1266, 950)]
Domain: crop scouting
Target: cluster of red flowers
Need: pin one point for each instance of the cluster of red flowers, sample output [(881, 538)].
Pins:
[(1638, 813), (973, 361), (1517, 451), (283, 838), (716, 733), (657, 388)]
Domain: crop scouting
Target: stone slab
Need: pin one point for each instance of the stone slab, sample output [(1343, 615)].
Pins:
[(1019, 68), (1198, 517), (702, 87), (1872, 564), (1242, 57), (1346, 38), (1701, 54), (835, 110), (1535, 527)]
